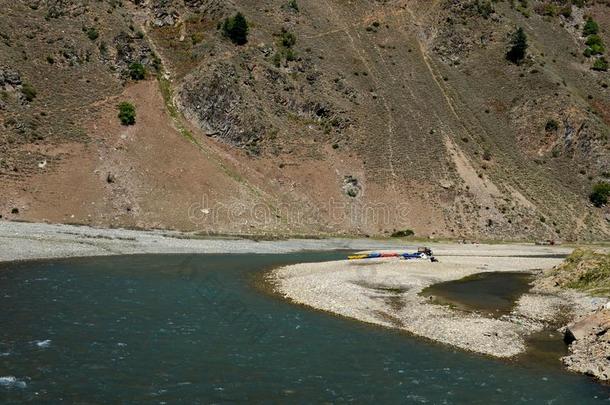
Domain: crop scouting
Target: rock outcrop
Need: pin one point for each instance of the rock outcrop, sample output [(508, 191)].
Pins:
[(589, 339)]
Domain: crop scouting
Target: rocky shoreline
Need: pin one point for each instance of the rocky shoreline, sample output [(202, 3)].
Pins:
[(588, 333), (386, 292)]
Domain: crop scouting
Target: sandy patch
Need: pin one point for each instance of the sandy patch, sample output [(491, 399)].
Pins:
[(386, 292)]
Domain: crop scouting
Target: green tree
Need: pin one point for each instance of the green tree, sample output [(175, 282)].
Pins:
[(590, 28), (127, 113), (236, 28), (599, 195), (518, 49)]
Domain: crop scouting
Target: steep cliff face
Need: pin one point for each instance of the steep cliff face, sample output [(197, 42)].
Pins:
[(413, 102)]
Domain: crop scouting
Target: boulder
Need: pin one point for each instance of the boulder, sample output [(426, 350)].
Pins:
[(595, 324), (351, 186), (589, 339), (9, 78)]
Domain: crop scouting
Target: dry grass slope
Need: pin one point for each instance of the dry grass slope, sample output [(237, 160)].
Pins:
[(412, 99)]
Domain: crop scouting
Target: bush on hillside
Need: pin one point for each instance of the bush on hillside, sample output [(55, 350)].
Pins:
[(137, 71), (518, 49), (127, 113), (293, 5), (28, 91), (92, 33), (236, 29), (601, 65), (594, 40), (590, 28), (599, 195), (551, 125), (287, 39)]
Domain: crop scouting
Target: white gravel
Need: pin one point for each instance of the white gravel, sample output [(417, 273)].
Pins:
[(22, 241), (386, 292)]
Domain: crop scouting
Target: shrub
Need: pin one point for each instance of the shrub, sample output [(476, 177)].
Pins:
[(287, 39), (600, 193), (293, 5), (28, 91), (137, 71), (594, 40), (290, 55), (595, 49), (601, 65), (595, 45), (92, 33), (518, 49), (403, 233), (590, 28), (127, 113), (236, 28), (551, 126), (485, 8), (548, 9), (277, 59), (196, 38)]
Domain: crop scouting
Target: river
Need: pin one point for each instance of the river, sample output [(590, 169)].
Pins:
[(190, 329)]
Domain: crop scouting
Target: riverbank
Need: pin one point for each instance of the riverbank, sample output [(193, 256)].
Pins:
[(26, 241), (387, 292), (383, 292)]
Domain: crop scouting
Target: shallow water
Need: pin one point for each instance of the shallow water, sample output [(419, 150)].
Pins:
[(492, 292), (194, 329)]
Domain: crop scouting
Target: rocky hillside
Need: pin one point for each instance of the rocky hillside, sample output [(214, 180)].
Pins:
[(367, 117)]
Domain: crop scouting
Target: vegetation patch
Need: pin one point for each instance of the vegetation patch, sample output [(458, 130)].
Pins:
[(293, 6), (595, 45), (551, 125), (599, 195), (127, 113), (287, 40), (590, 28), (403, 234), (91, 32), (137, 71), (518, 49), (600, 64), (586, 271), (236, 29), (28, 91), (167, 93)]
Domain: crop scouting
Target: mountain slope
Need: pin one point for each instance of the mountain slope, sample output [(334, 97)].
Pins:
[(383, 116)]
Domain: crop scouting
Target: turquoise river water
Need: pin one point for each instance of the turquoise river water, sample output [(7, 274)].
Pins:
[(176, 329)]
